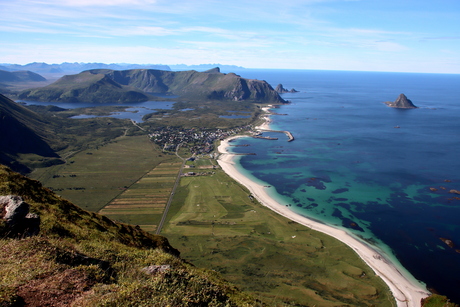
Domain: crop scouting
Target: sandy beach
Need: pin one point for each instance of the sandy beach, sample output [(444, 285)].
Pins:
[(406, 290)]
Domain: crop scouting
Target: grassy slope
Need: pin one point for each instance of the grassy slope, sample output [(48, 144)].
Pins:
[(18, 124), (83, 259), (216, 225)]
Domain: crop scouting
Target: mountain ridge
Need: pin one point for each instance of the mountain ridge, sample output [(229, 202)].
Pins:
[(137, 85), (20, 76)]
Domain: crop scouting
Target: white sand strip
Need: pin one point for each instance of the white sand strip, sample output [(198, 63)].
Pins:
[(407, 292)]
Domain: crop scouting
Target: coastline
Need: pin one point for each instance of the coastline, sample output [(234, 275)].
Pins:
[(405, 291)]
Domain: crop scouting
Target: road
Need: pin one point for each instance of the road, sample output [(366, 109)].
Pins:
[(168, 204)]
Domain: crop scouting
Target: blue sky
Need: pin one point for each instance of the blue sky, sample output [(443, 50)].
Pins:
[(368, 35)]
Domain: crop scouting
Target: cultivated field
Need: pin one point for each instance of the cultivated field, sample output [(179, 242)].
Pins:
[(94, 177), (143, 202), (216, 224)]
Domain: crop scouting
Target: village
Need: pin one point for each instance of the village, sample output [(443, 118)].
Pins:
[(199, 141)]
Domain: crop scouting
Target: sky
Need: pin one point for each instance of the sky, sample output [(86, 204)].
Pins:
[(363, 35)]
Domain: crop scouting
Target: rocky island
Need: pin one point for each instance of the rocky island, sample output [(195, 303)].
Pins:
[(401, 103), (280, 89)]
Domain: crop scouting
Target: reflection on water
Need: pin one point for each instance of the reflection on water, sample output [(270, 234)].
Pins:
[(133, 111)]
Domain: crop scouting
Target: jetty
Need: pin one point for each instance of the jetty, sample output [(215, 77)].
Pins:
[(288, 134), (264, 137)]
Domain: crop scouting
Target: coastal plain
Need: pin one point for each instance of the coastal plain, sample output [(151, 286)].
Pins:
[(217, 224)]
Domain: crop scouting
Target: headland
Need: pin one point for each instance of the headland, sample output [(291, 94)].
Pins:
[(406, 290)]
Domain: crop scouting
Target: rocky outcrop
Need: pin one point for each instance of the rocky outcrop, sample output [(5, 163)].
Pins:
[(280, 89), (155, 269), (18, 221), (402, 102)]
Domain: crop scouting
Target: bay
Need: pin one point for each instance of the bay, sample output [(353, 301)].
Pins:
[(383, 174)]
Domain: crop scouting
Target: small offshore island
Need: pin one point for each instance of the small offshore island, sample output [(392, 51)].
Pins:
[(402, 102)]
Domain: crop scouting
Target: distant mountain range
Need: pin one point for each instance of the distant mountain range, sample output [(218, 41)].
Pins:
[(203, 67), (135, 85), (73, 68)]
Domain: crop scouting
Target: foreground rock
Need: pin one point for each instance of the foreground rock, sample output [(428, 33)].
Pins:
[(402, 102), (19, 222)]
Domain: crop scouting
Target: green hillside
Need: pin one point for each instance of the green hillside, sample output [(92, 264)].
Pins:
[(20, 76), (87, 86), (84, 259), (23, 132)]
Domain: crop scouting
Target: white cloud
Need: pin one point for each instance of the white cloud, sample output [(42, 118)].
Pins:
[(388, 46)]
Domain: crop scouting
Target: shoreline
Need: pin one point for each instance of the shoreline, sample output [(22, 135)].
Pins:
[(405, 291)]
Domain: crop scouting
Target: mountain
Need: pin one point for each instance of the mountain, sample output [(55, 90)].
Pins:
[(77, 258), (88, 86), (23, 132), (104, 85), (20, 76), (401, 103)]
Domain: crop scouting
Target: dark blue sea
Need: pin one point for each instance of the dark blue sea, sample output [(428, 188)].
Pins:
[(383, 174)]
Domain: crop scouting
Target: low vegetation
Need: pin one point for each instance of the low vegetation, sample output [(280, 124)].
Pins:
[(436, 300), (84, 259)]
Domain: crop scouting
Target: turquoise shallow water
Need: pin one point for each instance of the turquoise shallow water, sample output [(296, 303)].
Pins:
[(358, 164)]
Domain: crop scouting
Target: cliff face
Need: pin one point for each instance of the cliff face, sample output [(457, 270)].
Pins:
[(402, 102), (103, 85)]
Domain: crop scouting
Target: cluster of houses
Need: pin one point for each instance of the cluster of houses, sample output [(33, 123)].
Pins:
[(199, 141)]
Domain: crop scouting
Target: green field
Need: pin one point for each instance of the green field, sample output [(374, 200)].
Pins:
[(94, 177), (143, 202), (216, 225)]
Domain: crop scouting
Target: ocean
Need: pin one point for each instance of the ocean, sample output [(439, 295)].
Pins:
[(386, 175)]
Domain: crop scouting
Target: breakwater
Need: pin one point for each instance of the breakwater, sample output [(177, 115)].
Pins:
[(288, 134)]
